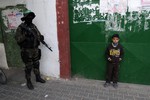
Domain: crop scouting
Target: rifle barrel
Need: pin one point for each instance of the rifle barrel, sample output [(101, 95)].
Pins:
[(43, 42)]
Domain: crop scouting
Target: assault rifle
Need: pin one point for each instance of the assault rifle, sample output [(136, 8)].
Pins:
[(42, 41)]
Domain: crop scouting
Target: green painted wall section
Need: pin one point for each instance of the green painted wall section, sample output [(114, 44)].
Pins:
[(90, 35), (7, 35)]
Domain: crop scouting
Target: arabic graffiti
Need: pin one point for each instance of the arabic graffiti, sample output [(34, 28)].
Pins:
[(118, 15)]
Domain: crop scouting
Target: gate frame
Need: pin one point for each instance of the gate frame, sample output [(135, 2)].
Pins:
[(63, 38)]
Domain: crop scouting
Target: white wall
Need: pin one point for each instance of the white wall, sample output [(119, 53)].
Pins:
[(3, 62), (46, 22)]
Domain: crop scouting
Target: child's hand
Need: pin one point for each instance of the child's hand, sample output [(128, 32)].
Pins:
[(109, 59), (120, 59)]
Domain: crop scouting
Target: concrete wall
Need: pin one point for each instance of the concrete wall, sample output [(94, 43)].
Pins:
[(45, 20), (4, 3), (3, 63), (45, 11)]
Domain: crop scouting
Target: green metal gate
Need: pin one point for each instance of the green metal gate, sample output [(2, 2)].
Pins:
[(90, 32)]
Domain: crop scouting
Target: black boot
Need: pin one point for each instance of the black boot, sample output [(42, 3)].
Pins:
[(29, 85), (28, 78), (39, 79)]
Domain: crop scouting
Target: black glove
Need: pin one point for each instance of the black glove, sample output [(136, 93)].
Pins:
[(41, 38)]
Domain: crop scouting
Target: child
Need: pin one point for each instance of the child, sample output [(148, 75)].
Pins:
[(114, 55)]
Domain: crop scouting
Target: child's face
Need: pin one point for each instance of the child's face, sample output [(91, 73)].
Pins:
[(115, 40)]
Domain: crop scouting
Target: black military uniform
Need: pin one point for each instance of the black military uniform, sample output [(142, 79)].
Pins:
[(28, 38)]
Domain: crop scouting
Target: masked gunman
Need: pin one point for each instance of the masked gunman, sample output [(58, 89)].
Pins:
[(28, 38)]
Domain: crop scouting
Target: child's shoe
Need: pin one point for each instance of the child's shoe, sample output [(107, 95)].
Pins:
[(106, 84), (115, 85)]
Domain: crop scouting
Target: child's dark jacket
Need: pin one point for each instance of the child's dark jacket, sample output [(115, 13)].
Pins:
[(114, 53)]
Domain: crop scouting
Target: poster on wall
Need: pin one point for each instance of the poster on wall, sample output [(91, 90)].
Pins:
[(14, 20), (112, 6), (11, 18), (145, 1), (145, 4)]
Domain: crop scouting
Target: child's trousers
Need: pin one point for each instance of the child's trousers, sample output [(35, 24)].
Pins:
[(112, 72)]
